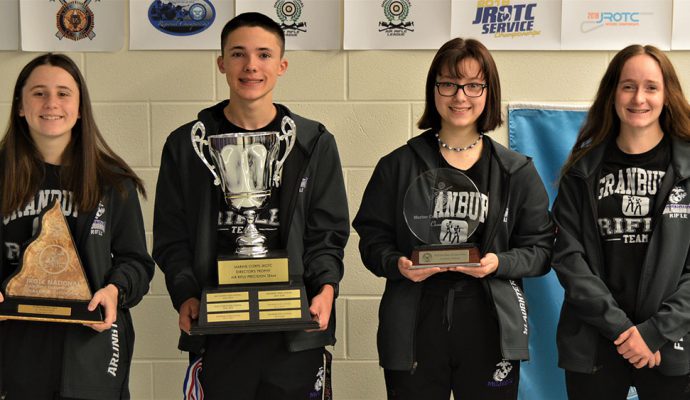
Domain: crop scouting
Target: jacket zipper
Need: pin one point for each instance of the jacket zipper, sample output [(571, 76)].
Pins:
[(414, 336), (486, 244), (599, 255), (655, 221)]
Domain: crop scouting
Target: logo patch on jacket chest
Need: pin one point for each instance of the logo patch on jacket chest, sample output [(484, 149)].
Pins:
[(677, 207), (98, 225)]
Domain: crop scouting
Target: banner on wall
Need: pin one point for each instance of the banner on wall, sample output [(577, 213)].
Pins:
[(547, 134), (509, 24), (613, 25), (177, 24), (9, 29), (74, 25), (308, 24), (396, 24), (680, 39)]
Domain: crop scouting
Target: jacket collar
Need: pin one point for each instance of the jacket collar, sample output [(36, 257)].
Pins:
[(680, 157)]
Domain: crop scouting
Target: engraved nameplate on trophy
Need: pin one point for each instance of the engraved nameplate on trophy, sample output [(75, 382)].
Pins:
[(255, 292), (442, 208), (50, 283)]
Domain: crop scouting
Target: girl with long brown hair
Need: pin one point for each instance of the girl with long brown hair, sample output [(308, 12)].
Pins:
[(53, 151), (623, 238)]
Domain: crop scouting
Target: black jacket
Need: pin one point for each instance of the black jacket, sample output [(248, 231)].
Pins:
[(314, 226), (96, 365), (663, 301), (518, 229)]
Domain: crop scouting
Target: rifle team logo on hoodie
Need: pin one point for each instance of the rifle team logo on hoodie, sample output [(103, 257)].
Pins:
[(674, 208)]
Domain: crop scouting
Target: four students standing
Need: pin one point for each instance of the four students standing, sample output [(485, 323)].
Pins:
[(620, 252)]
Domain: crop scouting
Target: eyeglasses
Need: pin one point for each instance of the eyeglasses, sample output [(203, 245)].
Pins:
[(450, 89)]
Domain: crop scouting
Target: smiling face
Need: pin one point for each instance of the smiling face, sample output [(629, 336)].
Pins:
[(252, 63), (640, 95), (50, 104), (460, 112)]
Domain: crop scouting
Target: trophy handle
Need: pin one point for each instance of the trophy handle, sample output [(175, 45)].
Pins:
[(289, 136), (198, 142)]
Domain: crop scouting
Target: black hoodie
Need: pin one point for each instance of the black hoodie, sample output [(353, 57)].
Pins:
[(518, 229)]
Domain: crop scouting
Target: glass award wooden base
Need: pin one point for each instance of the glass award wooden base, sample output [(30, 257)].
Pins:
[(445, 256)]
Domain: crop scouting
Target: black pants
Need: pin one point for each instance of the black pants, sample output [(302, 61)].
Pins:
[(457, 348), (615, 376), (258, 366), (32, 359)]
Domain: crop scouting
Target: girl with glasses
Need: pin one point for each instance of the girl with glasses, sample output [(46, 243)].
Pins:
[(456, 328)]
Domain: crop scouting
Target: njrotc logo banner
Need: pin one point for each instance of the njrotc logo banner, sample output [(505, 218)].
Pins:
[(612, 25), (509, 24), (396, 24), (308, 24), (71, 25), (177, 24)]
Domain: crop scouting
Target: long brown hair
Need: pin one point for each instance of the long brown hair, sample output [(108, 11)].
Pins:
[(602, 120), (450, 56), (89, 164)]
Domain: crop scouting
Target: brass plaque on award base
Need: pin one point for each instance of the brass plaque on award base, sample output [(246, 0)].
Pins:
[(49, 284), (462, 255), (255, 295)]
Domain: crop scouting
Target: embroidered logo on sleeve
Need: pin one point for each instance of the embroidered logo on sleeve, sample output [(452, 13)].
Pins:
[(98, 225)]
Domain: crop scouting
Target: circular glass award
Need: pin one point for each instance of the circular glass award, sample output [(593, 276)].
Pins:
[(442, 208)]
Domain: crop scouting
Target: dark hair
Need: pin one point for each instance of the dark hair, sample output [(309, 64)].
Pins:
[(252, 19), (602, 119), (89, 164), (449, 57)]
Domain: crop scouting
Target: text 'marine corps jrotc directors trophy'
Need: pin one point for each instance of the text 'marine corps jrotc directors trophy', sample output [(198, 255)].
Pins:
[(50, 283), (442, 208), (255, 291)]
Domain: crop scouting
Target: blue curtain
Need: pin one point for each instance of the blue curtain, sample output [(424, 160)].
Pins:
[(547, 134)]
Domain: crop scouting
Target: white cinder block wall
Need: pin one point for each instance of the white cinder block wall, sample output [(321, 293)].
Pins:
[(370, 101)]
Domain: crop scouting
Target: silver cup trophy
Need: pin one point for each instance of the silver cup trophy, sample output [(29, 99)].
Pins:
[(247, 166), (255, 292)]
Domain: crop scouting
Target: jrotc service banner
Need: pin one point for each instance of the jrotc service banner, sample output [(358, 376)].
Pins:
[(396, 24), (612, 25), (177, 24), (681, 28), (308, 24), (509, 24), (71, 25), (9, 29)]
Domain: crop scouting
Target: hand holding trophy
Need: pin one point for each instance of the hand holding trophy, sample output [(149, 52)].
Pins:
[(442, 208), (256, 292)]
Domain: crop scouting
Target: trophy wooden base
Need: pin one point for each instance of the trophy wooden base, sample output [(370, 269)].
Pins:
[(49, 310), (253, 308), (446, 256)]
